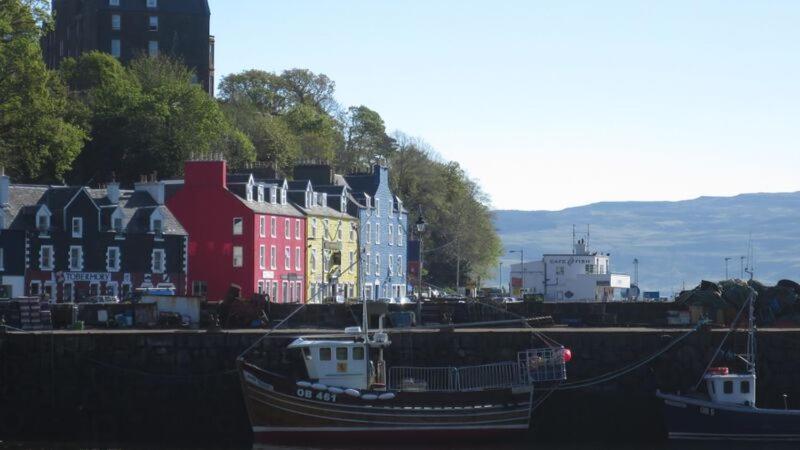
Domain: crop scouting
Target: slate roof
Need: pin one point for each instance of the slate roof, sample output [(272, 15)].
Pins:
[(266, 207)]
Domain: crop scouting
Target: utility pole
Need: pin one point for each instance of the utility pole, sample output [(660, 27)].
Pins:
[(635, 271), (741, 267), (500, 277)]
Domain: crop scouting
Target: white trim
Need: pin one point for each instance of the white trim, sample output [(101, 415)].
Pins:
[(163, 260), (72, 267), (52, 258), (117, 264), (76, 221)]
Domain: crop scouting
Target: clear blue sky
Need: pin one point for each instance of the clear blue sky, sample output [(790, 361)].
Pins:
[(558, 103)]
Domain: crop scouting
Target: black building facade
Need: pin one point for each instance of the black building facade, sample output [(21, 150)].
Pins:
[(129, 28), (76, 242)]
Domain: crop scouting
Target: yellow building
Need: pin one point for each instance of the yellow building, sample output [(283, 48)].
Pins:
[(332, 242)]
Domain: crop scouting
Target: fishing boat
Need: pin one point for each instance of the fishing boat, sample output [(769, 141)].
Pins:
[(344, 390), (727, 410)]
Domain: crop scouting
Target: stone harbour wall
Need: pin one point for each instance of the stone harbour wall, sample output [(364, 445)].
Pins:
[(181, 386)]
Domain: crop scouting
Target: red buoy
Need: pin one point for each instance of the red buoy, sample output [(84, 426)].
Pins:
[(567, 354)]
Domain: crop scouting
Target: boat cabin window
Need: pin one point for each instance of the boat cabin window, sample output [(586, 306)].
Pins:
[(358, 353), (711, 385), (306, 354), (324, 354), (744, 388), (727, 387), (341, 353)]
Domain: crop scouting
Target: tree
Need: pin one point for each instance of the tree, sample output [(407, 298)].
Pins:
[(254, 89), (304, 87), (365, 138), (37, 142)]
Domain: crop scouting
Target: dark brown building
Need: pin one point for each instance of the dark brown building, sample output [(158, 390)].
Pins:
[(129, 28)]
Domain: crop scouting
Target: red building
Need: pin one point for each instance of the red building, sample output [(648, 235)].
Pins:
[(242, 232)]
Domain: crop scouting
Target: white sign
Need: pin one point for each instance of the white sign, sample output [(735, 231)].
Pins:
[(267, 274), (91, 277)]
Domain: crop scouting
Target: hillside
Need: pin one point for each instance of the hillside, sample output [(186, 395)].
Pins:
[(675, 242)]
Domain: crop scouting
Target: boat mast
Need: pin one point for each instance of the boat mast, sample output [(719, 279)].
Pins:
[(751, 337)]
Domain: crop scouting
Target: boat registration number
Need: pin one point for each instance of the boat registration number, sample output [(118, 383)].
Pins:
[(309, 394)]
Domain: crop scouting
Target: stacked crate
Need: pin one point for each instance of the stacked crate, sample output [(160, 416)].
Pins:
[(33, 314)]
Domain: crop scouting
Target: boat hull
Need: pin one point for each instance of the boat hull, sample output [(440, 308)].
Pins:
[(698, 419), (281, 410)]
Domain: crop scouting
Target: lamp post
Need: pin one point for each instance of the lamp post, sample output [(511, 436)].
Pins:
[(500, 276), (521, 267), (420, 224)]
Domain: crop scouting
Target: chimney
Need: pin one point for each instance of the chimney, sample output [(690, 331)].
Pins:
[(5, 183), (152, 187), (208, 174), (112, 192)]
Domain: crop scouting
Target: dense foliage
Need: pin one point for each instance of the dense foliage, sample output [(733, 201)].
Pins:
[(94, 119)]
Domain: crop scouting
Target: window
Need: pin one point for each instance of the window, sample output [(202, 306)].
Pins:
[(399, 235), (112, 259), (46, 257), (727, 387), (352, 259), (744, 387), (283, 196), (152, 3), (157, 226), (274, 295), (377, 207), (238, 225), (297, 259), (377, 264), (261, 194), (313, 262), (369, 233), (273, 257), (113, 2), (118, 224), (313, 228), (111, 289), (152, 48), (2, 265), (43, 221), (35, 288), (238, 256), (324, 354), (390, 260), (285, 294), (297, 294), (273, 226), (352, 233), (287, 258), (341, 353), (339, 232), (153, 23), (77, 227), (260, 286), (159, 261), (377, 233), (262, 256), (115, 21), (367, 263), (589, 268), (358, 353), (115, 48), (273, 195), (400, 265), (297, 228), (391, 235), (287, 229), (75, 258), (262, 226), (559, 270), (199, 288), (248, 189)]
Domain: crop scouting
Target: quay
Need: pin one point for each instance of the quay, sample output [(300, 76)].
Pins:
[(182, 386)]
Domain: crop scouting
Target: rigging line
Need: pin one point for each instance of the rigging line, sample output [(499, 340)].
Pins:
[(625, 370), (270, 331), (540, 335), (725, 338)]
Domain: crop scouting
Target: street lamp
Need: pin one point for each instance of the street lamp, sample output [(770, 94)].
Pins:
[(500, 275), (521, 267), (420, 224)]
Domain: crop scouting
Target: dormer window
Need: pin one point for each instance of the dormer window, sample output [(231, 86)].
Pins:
[(377, 207), (273, 195), (324, 199), (283, 196), (43, 220), (117, 224), (343, 204), (261, 194), (77, 227), (157, 222), (367, 201), (157, 226), (249, 193)]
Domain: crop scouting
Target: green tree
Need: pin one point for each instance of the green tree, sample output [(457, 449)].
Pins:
[(37, 142), (364, 138)]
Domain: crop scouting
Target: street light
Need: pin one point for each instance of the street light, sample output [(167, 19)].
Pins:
[(521, 267), (421, 224)]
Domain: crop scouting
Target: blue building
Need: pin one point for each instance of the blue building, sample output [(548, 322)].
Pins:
[(383, 225)]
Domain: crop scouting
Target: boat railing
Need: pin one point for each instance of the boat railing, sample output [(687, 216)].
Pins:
[(420, 379), (490, 376), (543, 364)]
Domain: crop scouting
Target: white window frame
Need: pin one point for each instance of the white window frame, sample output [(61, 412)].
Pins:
[(399, 235), (163, 259), (297, 258), (262, 226), (73, 267), (152, 3), (400, 270), (377, 233), (237, 256), (378, 264), (369, 233), (150, 23), (262, 256), (238, 226), (116, 266), (313, 227), (273, 226), (377, 207), (79, 222), (273, 257), (368, 264), (287, 228), (261, 194), (297, 229), (46, 215), (390, 261), (287, 258), (50, 266), (116, 22), (390, 238), (313, 260)]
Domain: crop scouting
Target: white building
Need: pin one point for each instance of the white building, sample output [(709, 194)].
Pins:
[(580, 276)]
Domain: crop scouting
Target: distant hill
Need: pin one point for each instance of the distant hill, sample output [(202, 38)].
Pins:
[(675, 242)]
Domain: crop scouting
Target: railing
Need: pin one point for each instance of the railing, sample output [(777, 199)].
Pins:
[(534, 365), (543, 364)]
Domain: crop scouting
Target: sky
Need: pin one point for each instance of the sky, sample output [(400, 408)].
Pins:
[(553, 104)]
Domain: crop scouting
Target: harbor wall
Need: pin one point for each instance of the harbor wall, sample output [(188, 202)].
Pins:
[(181, 386)]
